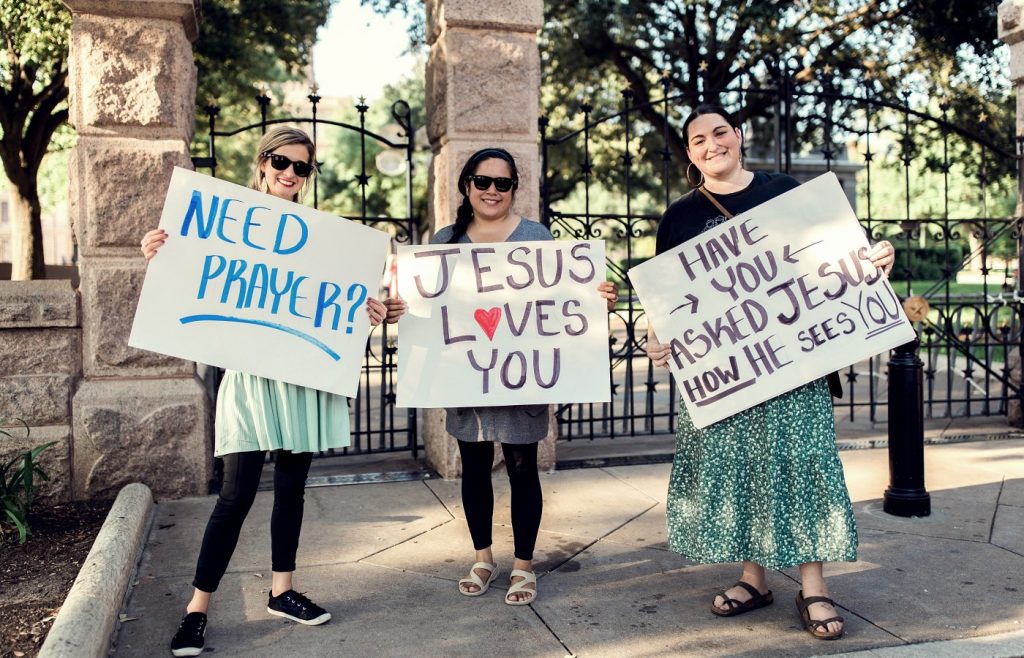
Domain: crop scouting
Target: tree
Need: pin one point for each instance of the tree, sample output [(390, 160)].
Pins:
[(241, 43), (33, 95), (702, 48)]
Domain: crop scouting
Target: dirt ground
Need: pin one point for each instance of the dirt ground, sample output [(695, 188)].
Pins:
[(35, 577)]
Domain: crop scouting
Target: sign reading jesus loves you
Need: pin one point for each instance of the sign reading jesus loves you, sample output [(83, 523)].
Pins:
[(502, 324), (769, 300), (250, 282)]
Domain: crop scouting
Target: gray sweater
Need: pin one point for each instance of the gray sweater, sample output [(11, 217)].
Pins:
[(515, 424)]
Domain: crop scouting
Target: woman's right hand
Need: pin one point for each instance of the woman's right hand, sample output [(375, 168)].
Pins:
[(153, 241), (657, 352), (396, 308)]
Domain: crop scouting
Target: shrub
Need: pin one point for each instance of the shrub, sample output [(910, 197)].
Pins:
[(17, 485)]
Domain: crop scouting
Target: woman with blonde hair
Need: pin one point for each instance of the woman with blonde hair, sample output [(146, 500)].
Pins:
[(254, 415)]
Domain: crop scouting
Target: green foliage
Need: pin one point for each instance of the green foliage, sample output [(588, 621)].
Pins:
[(245, 43), (340, 192), (17, 485), (927, 263)]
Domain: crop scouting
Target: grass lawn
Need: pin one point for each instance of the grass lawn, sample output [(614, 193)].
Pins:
[(974, 289)]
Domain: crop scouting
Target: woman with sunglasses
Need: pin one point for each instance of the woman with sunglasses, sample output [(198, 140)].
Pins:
[(488, 182), (254, 415), (765, 486)]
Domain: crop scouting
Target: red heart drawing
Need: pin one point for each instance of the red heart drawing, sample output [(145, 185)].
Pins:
[(488, 320)]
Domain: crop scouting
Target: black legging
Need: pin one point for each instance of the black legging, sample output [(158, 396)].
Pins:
[(478, 497), (242, 472)]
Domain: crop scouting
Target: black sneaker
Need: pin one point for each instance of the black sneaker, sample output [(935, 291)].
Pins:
[(295, 606), (188, 641)]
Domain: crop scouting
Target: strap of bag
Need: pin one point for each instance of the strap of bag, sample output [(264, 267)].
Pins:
[(714, 201)]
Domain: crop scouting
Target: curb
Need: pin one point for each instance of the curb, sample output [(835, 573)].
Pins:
[(1002, 645), (90, 612)]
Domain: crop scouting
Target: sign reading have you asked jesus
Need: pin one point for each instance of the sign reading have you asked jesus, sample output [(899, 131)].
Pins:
[(250, 282), (772, 299), (502, 324)]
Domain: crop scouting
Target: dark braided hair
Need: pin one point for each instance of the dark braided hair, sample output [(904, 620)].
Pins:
[(464, 215)]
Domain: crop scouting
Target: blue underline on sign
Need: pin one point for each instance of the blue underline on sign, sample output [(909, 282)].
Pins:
[(262, 323)]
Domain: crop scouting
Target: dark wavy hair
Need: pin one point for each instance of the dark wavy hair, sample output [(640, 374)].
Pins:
[(464, 215)]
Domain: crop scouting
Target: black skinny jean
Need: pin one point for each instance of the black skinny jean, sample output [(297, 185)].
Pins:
[(242, 472), (478, 496)]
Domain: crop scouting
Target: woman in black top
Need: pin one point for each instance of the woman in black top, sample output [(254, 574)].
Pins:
[(765, 486)]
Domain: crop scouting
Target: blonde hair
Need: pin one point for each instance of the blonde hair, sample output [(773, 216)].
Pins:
[(274, 139)]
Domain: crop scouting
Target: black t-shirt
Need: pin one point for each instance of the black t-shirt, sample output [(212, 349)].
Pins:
[(692, 214)]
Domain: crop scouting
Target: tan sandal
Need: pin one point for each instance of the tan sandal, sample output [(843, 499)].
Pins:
[(475, 579), (818, 627), (528, 577)]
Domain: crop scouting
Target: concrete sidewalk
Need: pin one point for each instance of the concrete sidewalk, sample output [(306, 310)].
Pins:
[(384, 559)]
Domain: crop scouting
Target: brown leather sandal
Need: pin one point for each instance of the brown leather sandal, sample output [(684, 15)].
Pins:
[(757, 600), (818, 627)]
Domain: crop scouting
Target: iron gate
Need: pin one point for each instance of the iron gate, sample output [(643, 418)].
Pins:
[(377, 425), (900, 156)]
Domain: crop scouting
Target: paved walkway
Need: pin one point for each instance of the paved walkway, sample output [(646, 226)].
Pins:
[(385, 557)]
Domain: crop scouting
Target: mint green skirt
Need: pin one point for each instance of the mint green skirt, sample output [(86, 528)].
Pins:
[(254, 413)]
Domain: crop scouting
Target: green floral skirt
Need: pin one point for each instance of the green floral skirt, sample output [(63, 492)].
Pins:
[(765, 485)]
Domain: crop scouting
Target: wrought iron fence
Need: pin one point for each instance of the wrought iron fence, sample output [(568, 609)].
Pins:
[(377, 425), (944, 194)]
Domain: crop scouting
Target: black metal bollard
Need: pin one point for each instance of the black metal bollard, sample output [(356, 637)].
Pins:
[(906, 495)]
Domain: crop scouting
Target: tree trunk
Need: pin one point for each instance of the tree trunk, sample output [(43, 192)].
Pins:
[(26, 233)]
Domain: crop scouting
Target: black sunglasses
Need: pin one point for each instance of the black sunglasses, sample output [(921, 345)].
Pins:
[(482, 183), (280, 162)]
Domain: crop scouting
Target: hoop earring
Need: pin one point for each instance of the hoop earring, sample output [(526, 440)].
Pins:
[(689, 180)]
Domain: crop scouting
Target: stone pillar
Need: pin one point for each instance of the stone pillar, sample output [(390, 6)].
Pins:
[(137, 416), (1011, 30), (483, 89)]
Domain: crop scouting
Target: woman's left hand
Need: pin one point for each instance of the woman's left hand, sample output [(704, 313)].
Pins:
[(375, 310), (610, 292), (883, 256)]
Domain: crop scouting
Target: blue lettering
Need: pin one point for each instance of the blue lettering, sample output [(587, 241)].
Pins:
[(303, 231), (224, 217), (324, 301), (235, 271), (195, 210), (296, 296), (258, 281), (247, 226), (210, 274), (277, 292)]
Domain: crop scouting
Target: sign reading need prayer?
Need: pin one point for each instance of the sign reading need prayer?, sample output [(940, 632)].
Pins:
[(250, 282), (772, 299), (502, 324)]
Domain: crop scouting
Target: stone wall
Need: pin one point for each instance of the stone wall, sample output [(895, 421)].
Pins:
[(40, 362)]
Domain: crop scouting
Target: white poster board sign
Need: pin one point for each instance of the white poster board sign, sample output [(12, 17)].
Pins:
[(772, 299), (250, 282), (502, 324)]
